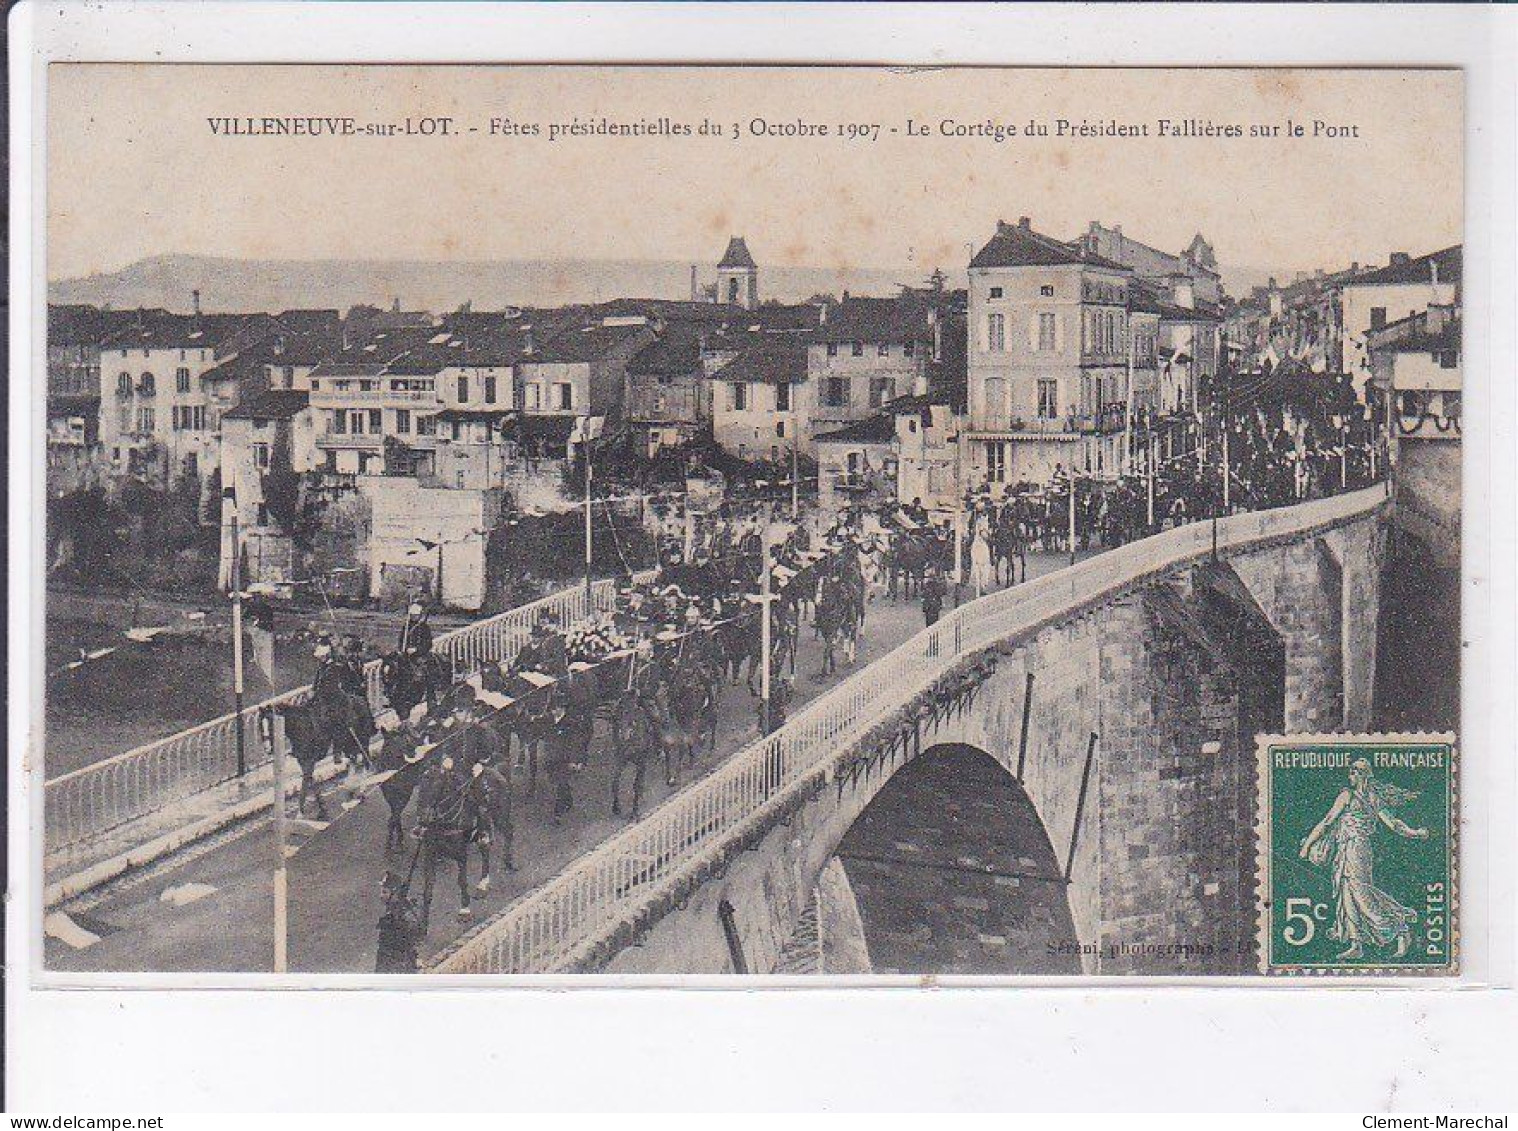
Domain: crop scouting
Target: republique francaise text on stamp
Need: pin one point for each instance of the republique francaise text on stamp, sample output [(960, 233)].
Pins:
[(1357, 863)]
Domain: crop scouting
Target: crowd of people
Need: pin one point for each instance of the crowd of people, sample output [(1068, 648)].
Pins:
[(646, 675), (652, 668)]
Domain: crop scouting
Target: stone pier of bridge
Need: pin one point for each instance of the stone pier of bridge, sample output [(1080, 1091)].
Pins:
[(1144, 832)]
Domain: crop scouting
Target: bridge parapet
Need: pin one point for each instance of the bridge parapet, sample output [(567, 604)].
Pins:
[(151, 793), (598, 905)]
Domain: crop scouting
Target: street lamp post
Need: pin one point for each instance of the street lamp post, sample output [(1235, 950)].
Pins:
[(1149, 467), (230, 495), (1072, 514), (588, 547), (766, 629), (1227, 471)]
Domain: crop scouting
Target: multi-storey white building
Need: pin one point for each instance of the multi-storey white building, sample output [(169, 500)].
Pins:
[(372, 393), (1048, 351), (762, 400), (159, 414), (1404, 287), (866, 353)]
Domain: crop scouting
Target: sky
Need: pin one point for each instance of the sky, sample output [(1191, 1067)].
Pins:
[(135, 170)]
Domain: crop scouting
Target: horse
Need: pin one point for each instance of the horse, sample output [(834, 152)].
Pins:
[(448, 816), (832, 609), (911, 563), (686, 712), (739, 635), (403, 772), (408, 680), (1007, 549), (528, 718), (317, 725), (638, 739)]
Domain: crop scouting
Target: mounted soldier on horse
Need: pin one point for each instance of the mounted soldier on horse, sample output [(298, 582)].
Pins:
[(414, 672)]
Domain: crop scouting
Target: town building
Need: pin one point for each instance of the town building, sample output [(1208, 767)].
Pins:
[(903, 454), (668, 397), (1406, 286), (75, 458), (265, 440), (738, 276), (1416, 380), (1047, 360), (161, 395), (428, 542), (1196, 267), (581, 371), (475, 445), (761, 399), (375, 392), (864, 354)]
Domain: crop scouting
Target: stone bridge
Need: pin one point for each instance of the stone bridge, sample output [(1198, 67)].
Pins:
[(1056, 778)]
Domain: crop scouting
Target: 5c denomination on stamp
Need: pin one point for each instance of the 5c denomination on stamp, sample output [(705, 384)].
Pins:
[(1357, 854)]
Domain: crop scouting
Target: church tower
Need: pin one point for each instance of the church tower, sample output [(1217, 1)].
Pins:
[(738, 276)]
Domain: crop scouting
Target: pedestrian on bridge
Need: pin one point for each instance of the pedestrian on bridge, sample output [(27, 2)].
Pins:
[(933, 593), (400, 931)]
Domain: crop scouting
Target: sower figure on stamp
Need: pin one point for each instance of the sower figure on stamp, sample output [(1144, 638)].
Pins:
[(1364, 914)]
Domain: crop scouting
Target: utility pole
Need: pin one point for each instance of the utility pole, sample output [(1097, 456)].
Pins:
[(1227, 471), (272, 727), (1072, 514), (439, 595), (1344, 454), (959, 501), (1149, 469), (795, 461), (588, 548), (230, 494), (1128, 410), (765, 628)]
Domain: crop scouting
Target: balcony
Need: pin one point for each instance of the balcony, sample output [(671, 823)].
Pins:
[(370, 441), (372, 398), (1112, 418), (364, 441)]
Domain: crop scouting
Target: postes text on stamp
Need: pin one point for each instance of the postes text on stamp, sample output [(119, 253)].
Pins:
[(1357, 855)]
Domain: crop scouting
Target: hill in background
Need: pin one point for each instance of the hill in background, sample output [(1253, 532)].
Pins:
[(280, 284)]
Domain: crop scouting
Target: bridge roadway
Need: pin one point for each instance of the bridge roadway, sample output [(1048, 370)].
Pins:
[(210, 908)]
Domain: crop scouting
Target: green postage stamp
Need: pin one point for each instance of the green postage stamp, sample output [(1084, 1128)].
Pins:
[(1357, 854)]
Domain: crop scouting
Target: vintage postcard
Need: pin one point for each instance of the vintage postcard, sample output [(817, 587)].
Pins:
[(791, 522)]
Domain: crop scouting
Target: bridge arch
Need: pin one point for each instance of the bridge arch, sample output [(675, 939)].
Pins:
[(950, 871)]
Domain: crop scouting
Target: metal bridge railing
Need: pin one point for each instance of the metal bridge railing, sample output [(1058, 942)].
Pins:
[(561, 924), (96, 799)]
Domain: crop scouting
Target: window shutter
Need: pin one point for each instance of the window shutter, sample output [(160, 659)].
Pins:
[(1059, 333), (1033, 331)]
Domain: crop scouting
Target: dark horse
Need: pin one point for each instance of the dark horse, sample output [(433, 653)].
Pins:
[(687, 716), (402, 769), (448, 821), (638, 740), (408, 680), (321, 723)]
